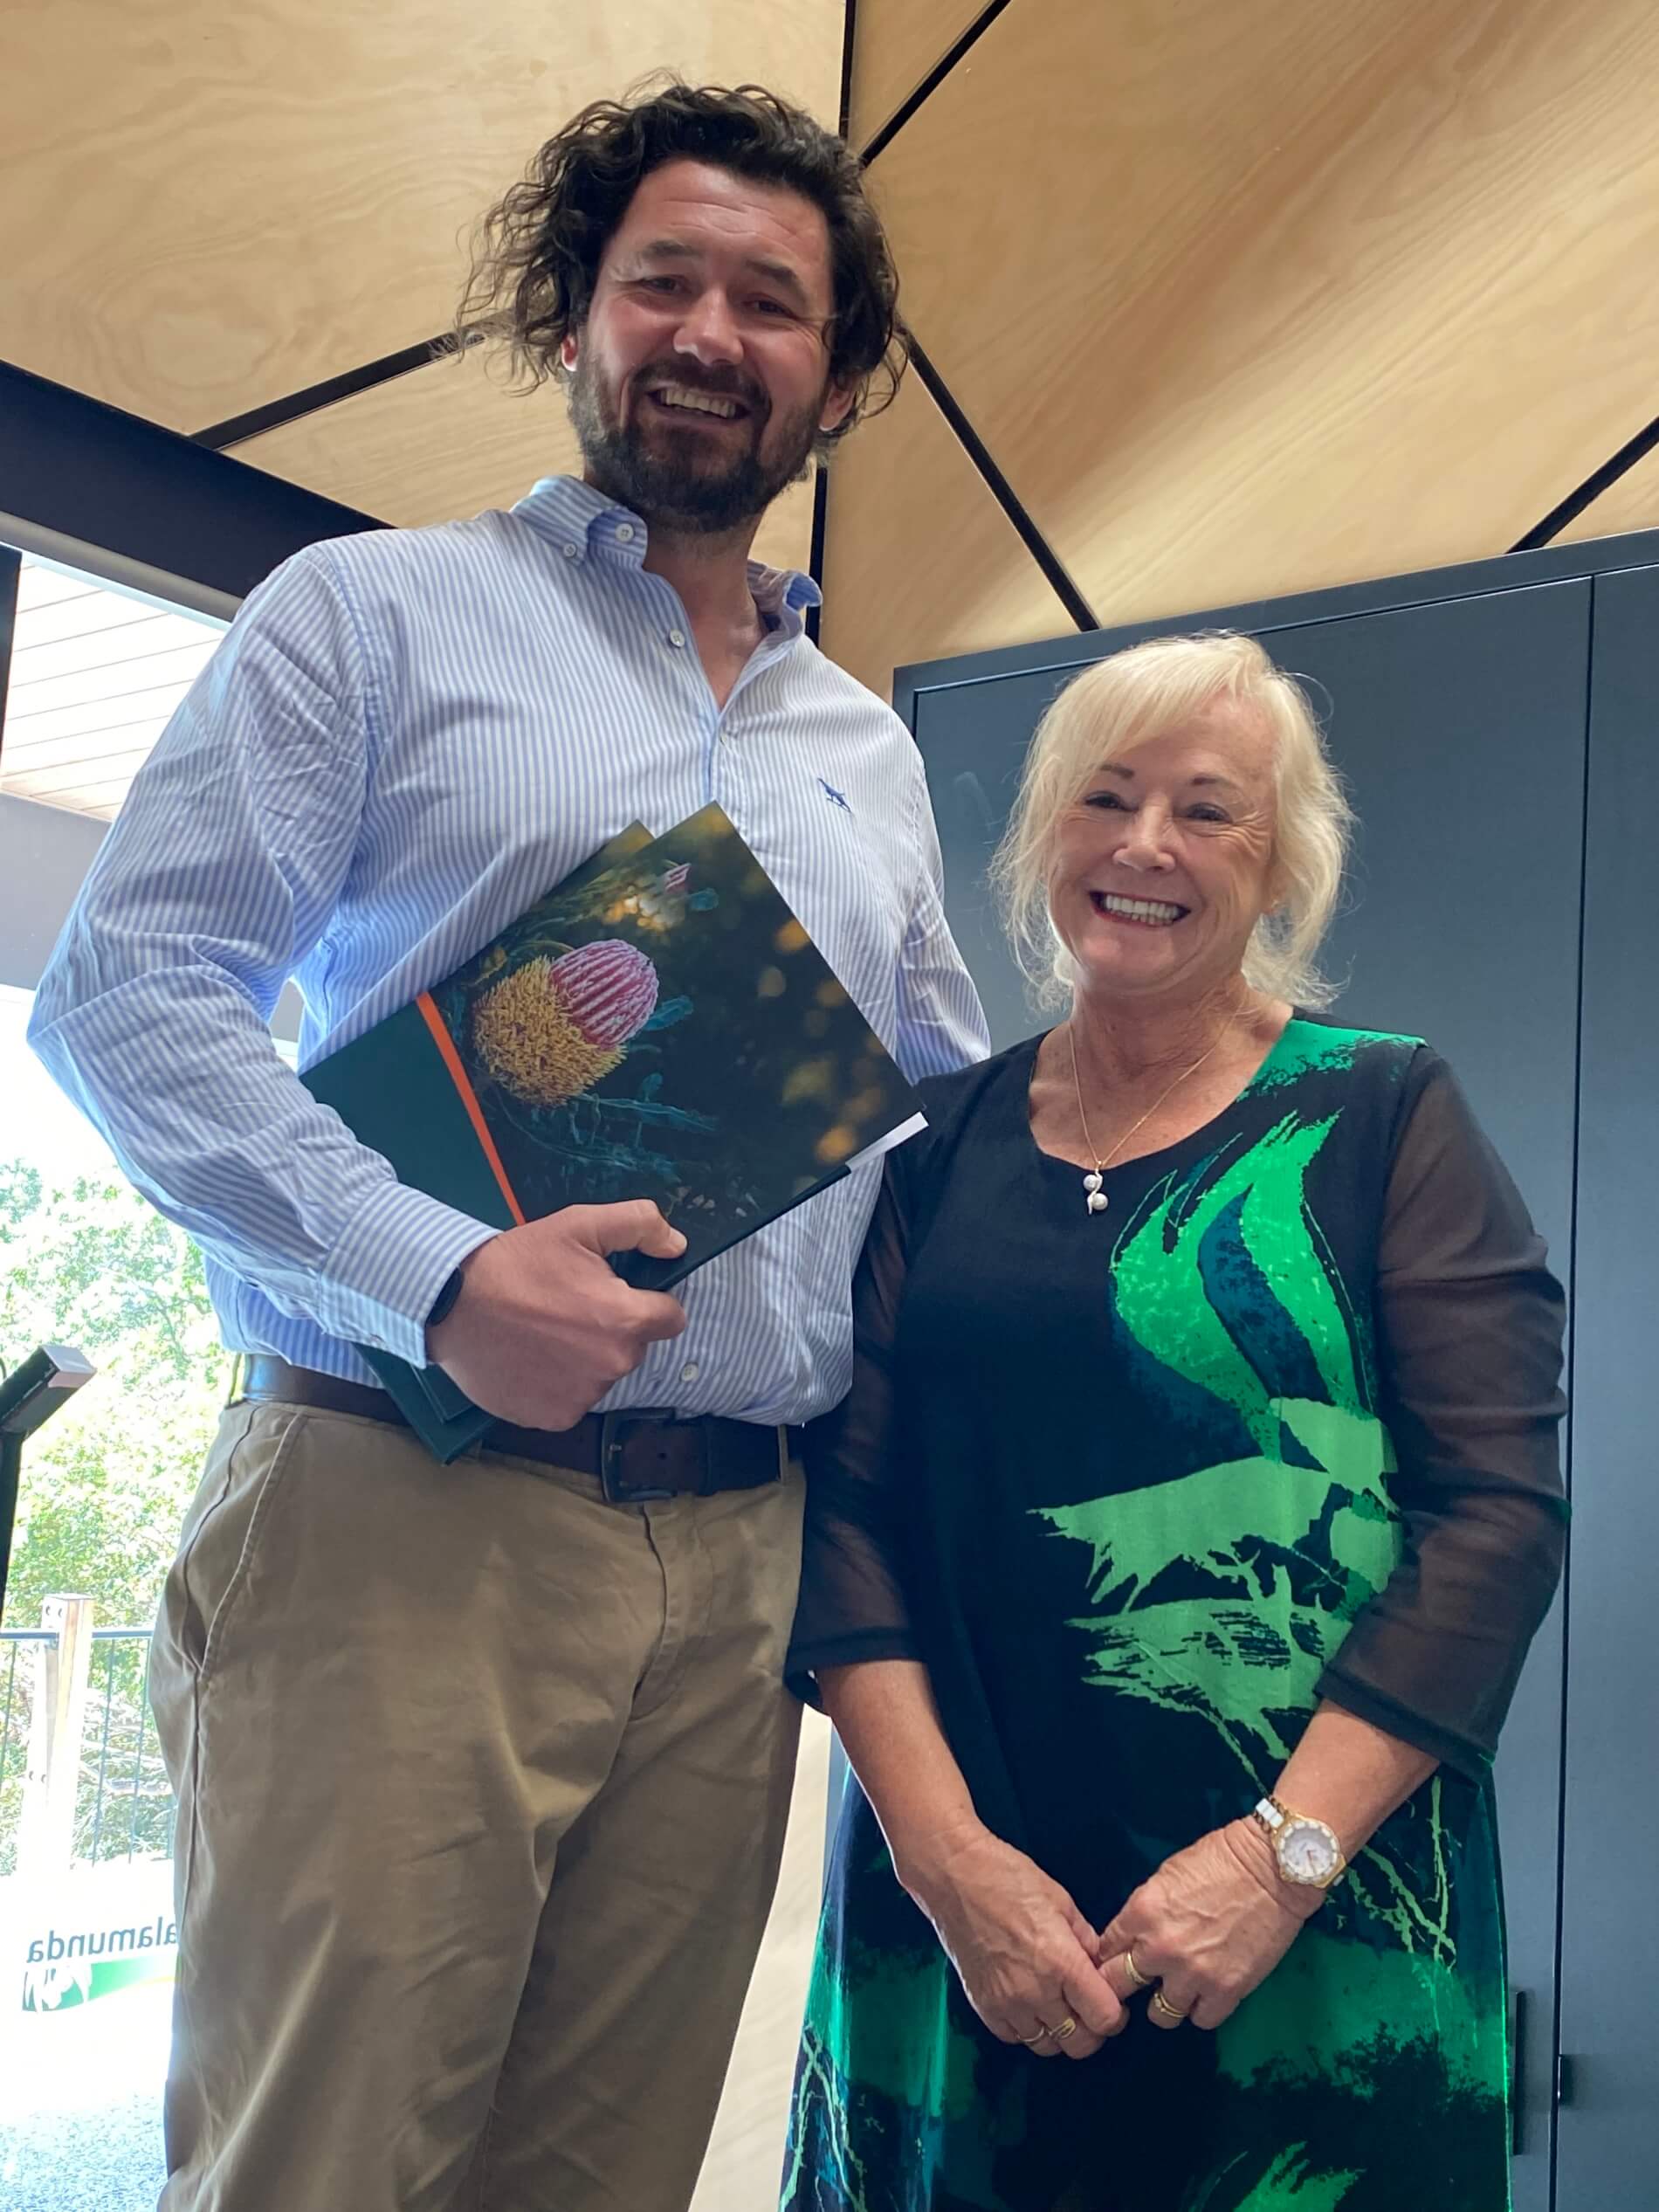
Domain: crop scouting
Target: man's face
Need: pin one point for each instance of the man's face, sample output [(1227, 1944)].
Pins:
[(701, 376)]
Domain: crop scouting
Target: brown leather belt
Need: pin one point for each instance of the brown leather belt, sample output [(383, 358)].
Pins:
[(641, 1453)]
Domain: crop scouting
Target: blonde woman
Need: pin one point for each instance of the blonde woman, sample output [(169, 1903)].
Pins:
[(1171, 1562)]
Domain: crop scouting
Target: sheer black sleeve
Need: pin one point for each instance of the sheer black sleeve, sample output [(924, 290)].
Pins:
[(851, 1605), (1468, 1334)]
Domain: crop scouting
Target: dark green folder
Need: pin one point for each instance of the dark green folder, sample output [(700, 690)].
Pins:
[(658, 1025), (433, 1148)]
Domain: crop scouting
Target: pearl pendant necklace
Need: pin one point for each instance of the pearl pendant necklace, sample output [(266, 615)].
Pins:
[(1094, 1196)]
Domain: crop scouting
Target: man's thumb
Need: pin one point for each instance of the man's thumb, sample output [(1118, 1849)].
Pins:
[(637, 1226)]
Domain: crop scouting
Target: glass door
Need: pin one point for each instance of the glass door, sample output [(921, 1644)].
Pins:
[(88, 1944)]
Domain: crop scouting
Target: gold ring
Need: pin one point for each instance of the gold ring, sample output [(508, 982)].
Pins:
[(1067, 2027), (1137, 1980), (1160, 2004)]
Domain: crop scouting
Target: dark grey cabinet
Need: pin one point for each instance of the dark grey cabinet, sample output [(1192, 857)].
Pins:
[(1496, 727), (1608, 2153)]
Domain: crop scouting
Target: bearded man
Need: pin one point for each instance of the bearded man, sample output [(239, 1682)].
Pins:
[(482, 1771)]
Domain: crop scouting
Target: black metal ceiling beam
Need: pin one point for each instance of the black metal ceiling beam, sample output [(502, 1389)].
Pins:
[(1036, 544), (1591, 490), (236, 429), (820, 479), (77, 469), (932, 81)]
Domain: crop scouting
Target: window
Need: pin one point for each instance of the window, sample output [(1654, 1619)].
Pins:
[(86, 1939)]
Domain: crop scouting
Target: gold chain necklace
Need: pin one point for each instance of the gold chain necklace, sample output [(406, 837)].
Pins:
[(1094, 1196)]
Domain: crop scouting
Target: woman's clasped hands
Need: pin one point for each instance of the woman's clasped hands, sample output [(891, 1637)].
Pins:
[(1206, 1929), (1199, 1934)]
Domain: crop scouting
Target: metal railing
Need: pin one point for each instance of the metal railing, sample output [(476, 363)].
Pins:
[(81, 1778), (14, 1742), (145, 1809)]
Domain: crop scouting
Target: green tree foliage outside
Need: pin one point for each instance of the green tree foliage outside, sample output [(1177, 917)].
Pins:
[(105, 1482)]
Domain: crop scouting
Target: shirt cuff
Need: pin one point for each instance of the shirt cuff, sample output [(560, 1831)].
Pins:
[(383, 1277)]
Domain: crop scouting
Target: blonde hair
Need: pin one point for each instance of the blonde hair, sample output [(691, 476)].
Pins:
[(1122, 702)]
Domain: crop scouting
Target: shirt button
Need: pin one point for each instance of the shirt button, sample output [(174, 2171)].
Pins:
[(570, 553), (689, 1373), (625, 534), (677, 636)]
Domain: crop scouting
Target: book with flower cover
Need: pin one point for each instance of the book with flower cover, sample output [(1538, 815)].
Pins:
[(658, 1025)]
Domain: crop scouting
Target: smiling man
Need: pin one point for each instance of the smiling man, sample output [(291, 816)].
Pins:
[(482, 1771), (704, 436)]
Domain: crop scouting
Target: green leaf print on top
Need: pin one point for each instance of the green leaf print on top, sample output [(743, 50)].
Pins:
[(1288, 1557), (1135, 1595), (1293, 1541), (1249, 1225), (1220, 1595)]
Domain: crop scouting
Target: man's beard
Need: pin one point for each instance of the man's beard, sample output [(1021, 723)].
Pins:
[(696, 492)]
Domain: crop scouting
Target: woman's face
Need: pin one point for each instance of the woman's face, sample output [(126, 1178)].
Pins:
[(1164, 866)]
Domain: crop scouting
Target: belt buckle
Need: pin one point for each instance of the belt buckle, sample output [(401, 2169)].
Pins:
[(613, 1439)]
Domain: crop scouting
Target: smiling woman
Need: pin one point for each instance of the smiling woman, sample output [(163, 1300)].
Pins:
[(1225, 736), (1170, 1565)]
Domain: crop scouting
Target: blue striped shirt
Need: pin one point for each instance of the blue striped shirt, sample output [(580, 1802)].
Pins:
[(404, 739)]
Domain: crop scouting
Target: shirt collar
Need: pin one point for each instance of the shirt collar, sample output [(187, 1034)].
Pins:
[(582, 522)]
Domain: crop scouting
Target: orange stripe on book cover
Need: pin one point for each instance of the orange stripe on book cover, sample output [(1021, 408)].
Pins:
[(445, 1045)]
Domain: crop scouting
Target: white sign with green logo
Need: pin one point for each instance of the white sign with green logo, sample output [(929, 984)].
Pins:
[(87, 1934)]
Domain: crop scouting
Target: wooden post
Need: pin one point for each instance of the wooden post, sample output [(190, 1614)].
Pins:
[(47, 1836)]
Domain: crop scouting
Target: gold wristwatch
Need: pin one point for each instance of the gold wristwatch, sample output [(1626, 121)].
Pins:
[(1307, 1851)]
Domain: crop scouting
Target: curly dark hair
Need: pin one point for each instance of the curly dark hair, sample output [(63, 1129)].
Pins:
[(536, 256)]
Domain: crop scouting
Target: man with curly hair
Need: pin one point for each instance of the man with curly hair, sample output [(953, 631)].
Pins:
[(482, 1771)]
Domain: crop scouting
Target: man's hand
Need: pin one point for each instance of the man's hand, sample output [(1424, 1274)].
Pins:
[(542, 1327)]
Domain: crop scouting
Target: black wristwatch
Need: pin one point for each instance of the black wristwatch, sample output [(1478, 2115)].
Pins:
[(445, 1298)]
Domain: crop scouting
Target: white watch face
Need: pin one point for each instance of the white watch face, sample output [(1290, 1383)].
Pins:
[(1307, 1851)]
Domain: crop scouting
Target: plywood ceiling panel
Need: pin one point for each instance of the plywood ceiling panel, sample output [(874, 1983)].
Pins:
[(1283, 293), (919, 560), (449, 440), (895, 43), (202, 209), (1632, 503)]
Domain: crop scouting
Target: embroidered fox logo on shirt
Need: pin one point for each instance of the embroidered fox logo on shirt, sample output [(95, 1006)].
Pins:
[(835, 797)]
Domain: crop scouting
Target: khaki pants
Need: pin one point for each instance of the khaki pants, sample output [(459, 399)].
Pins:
[(482, 1788)]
